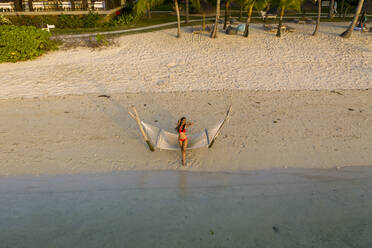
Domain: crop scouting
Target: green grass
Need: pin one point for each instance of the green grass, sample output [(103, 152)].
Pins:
[(163, 7), (157, 29), (165, 18), (144, 22)]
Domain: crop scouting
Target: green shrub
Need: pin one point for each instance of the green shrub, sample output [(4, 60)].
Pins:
[(60, 21), (38, 21), (91, 20), (69, 21), (4, 20), (23, 43), (74, 21), (122, 20)]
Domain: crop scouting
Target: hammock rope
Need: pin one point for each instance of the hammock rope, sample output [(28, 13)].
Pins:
[(161, 139)]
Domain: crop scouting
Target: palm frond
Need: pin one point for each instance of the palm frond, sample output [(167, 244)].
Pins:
[(261, 4), (195, 4), (141, 6), (291, 4), (258, 4)]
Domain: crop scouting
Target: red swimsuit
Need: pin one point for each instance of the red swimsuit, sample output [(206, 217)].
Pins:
[(182, 131)]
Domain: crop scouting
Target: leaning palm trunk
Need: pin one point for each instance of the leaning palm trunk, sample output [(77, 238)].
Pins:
[(187, 12), (241, 12), (331, 9), (226, 14), (348, 32), (318, 20), (342, 8), (148, 6), (85, 4), (214, 31), (178, 19), (279, 33), (246, 31)]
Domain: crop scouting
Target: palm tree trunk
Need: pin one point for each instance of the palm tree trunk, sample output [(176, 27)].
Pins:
[(148, 10), (187, 12), (348, 32), (18, 5), (85, 4), (30, 5), (229, 18), (215, 28), (72, 4), (279, 33), (226, 14), (246, 31), (241, 12), (318, 20), (331, 9), (342, 7), (178, 19)]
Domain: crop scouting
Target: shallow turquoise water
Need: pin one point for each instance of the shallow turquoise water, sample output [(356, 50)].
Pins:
[(274, 208)]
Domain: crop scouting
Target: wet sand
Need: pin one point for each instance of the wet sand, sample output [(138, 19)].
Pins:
[(267, 129)]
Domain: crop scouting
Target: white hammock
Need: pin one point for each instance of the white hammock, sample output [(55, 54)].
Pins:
[(165, 140), (156, 137)]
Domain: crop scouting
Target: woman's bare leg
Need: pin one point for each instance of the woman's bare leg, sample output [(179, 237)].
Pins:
[(184, 146), (182, 152)]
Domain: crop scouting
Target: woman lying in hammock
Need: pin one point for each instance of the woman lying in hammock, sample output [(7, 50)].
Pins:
[(182, 138)]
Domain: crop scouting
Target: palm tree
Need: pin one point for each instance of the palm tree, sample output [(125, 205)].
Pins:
[(85, 4), (30, 5), (143, 6), (148, 9), (318, 19), (178, 19), (72, 4), (341, 8), (250, 7), (215, 28), (331, 9), (18, 5), (348, 32), (187, 12), (241, 3), (227, 7), (195, 4), (279, 33), (283, 5), (249, 4)]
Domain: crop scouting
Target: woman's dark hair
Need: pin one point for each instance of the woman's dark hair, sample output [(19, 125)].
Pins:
[(179, 124)]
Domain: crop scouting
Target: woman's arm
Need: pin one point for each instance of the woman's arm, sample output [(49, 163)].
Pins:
[(188, 124)]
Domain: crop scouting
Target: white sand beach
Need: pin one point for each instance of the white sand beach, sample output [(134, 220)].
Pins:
[(298, 102), (157, 62)]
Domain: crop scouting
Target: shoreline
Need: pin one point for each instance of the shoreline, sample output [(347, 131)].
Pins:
[(290, 208)]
